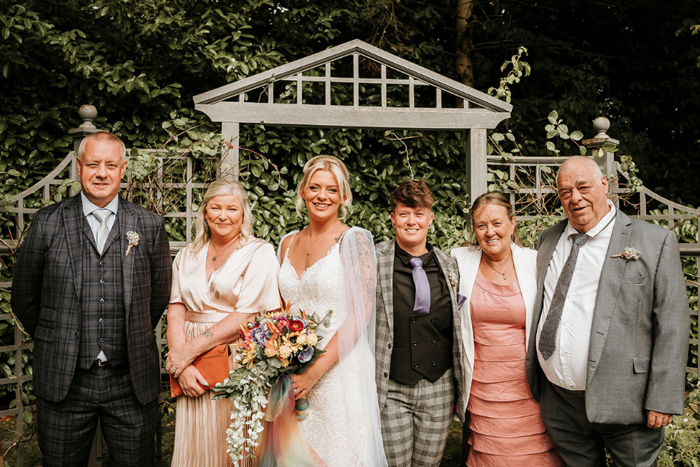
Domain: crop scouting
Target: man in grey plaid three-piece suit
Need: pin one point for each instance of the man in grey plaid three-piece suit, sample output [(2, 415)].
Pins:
[(418, 359), (91, 281)]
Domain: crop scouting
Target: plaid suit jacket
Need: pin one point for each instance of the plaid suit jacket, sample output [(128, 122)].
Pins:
[(385, 320), (47, 293)]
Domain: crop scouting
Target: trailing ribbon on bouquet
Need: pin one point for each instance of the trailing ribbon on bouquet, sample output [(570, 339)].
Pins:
[(282, 444)]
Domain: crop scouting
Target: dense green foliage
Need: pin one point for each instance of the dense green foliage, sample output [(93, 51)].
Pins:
[(634, 62), (141, 61)]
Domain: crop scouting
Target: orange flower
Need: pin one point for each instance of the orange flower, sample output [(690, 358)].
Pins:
[(270, 350), (272, 329)]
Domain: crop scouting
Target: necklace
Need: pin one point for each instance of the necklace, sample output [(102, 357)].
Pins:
[(308, 240), (235, 241), (505, 278)]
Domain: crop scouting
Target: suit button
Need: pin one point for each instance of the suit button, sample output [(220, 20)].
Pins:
[(415, 365), (433, 363), (77, 334), (413, 320), (102, 300), (101, 320), (102, 339), (386, 374), (415, 343), (100, 262), (388, 346), (432, 340), (432, 320), (102, 281)]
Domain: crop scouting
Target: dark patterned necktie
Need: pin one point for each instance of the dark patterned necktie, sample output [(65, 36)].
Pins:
[(548, 335), (420, 280)]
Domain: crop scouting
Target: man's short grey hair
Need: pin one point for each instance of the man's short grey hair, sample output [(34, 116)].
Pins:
[(581, 160), (105, 136)]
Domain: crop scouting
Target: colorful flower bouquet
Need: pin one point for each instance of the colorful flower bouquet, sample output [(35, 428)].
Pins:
[(277, 344)]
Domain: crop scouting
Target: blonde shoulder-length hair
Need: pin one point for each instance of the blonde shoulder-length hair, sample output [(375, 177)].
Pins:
[(222, 187), (339, 171)]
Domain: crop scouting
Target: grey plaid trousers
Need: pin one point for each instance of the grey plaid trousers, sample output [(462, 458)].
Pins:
[(416, 421)]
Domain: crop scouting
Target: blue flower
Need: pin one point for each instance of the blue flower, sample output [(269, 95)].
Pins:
[(306, 354), (261, 335)]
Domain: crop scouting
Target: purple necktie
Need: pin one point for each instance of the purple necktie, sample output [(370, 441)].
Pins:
[(420, 280)]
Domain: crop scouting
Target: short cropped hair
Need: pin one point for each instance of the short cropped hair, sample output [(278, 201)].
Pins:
[(412, 193), (104, 136)]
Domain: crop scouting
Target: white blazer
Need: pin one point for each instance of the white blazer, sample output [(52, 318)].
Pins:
[(468, 259)]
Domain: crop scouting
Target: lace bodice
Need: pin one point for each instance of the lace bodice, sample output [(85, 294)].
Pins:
[(316, 291)]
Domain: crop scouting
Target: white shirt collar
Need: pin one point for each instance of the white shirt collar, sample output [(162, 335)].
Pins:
[(89, 207), (599, 227)]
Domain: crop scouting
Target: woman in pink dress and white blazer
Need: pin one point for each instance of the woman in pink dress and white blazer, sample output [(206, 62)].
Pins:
[(497, 277)]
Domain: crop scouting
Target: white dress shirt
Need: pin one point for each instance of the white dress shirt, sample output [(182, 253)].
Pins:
[(88, 208), (567, 367)]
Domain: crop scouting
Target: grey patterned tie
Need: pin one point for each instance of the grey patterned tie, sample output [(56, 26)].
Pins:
[(103, 231), (548, 335)]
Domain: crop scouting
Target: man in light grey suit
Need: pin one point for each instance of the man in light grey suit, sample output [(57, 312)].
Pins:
[(607, 359)]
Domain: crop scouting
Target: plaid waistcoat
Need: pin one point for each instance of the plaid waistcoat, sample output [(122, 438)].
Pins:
[(103, 324)]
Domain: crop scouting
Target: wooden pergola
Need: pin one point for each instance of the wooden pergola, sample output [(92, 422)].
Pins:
[(471, 110)]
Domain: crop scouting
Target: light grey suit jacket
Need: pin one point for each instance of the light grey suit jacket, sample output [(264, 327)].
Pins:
[(639, 339), (385, 320)]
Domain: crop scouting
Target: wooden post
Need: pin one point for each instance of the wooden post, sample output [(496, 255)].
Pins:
[(230, 154), (476, 163)]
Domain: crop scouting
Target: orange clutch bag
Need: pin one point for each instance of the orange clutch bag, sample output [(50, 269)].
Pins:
[(213, 366)]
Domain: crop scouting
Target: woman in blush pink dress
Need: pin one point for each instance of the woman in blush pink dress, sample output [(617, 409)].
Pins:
[(498, 279)]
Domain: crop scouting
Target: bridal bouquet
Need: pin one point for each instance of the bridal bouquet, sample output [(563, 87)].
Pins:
[(278, 343)]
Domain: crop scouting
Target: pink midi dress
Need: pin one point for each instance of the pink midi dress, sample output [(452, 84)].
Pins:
[(505, 420)]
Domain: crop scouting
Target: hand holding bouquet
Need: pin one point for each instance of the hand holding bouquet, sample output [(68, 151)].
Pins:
[(277, 344)]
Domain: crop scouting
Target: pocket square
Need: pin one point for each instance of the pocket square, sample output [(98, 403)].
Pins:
[(460, 300)]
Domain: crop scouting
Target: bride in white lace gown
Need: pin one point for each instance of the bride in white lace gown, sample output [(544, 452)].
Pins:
[(330, 267)]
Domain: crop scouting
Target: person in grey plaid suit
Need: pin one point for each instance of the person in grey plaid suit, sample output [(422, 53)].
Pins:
[(418, 359), (91, 281)]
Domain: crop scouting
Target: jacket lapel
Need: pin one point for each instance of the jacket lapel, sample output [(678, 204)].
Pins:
[(608, 288), (449, 273), (74, 223), (528, 286), (385, 261), (127, 222)]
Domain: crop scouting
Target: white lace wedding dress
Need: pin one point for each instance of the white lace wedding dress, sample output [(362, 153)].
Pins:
[(342, 426)]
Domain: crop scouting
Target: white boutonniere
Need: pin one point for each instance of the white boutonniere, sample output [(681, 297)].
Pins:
[(453, 281), (133, 238), (628, 254)]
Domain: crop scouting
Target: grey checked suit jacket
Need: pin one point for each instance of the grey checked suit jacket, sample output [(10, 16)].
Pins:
[(385, 320), (47, 291), (639, 339)]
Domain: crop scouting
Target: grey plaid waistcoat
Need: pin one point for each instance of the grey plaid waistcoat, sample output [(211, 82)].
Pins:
[(103, 325)]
